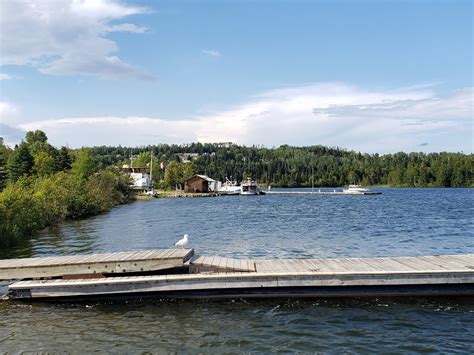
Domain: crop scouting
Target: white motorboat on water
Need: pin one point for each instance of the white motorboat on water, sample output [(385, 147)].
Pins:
[(355, 189), (250, 187), (230, 188)]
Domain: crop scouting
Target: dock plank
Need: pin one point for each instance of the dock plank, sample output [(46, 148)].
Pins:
[(207, 261), (57, 266), (216, 261), (448, 262)]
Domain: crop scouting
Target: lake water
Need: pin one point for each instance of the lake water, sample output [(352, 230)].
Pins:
[(398, 222)]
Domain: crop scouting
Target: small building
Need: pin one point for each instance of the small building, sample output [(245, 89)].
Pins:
[(141, 180), (201, 183), (187, 157)]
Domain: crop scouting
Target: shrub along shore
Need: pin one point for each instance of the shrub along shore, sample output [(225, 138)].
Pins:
[(46, 186)]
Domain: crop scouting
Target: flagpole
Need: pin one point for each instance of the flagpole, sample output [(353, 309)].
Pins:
[(151, 170)]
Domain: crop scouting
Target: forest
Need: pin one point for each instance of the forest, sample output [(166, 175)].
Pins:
[(288, 166)]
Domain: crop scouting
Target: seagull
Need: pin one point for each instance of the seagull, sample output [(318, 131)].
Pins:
[(182, 243)]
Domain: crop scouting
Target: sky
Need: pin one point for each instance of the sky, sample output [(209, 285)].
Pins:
[(371, 76)]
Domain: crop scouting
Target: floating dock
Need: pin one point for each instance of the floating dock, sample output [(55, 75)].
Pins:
[(176, 273), (94, 265), (319, 192)]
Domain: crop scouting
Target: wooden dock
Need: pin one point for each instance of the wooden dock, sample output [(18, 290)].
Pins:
[(75, 266), (173, 273)]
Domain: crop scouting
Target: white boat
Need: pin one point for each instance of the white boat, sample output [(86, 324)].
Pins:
[(249, 187), (230, 188), (355, 189)]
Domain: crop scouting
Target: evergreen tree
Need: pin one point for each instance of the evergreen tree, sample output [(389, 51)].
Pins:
[(63, 161), (20, 162), (3, 166)]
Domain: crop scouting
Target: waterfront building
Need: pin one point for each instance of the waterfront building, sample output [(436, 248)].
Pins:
[(141, 180), (201, 183)]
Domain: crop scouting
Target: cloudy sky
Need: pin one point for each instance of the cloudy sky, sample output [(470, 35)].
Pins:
[(374, 76)]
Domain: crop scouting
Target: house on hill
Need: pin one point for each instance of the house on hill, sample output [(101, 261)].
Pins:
[(187, 157), (201, 183)]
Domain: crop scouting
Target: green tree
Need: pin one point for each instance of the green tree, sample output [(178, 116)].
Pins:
[(411, 175), (188, 170), (63, 161), (422, 174), (173, 174), (37, 136), (44, 163), (20, 162), (4, 154), (109, 188), (84, 165), (143, 160)]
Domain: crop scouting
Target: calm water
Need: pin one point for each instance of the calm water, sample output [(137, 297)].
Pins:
[(399, 222)]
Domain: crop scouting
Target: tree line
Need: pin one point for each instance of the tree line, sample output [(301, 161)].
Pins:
[(288, 166)]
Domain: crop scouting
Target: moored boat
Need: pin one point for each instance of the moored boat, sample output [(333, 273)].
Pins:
[(358, 190), (249, 187), (230, 188)]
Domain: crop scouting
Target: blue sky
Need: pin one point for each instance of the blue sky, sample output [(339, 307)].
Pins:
[(376, 76)]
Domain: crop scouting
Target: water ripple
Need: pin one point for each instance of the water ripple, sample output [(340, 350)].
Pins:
[(399, 222)]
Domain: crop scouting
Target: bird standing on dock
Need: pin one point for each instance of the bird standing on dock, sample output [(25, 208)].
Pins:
[(182, 243)]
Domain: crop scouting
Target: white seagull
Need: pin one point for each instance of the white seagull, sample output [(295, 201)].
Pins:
[(182, 243)]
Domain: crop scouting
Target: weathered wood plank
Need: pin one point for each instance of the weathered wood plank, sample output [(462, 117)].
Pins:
[(287, 277), (56, 266), (197, 261), (311, 283), (447, 262), (216, 261)]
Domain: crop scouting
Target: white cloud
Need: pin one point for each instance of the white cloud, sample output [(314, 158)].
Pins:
[(9, 112), (112, 130), (126, 27), (458, 104), (67, 37), (211, 52), (5, 76), (333, 114)]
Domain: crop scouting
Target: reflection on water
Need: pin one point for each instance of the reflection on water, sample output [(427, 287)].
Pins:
[(73, 237), (399, 222)]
